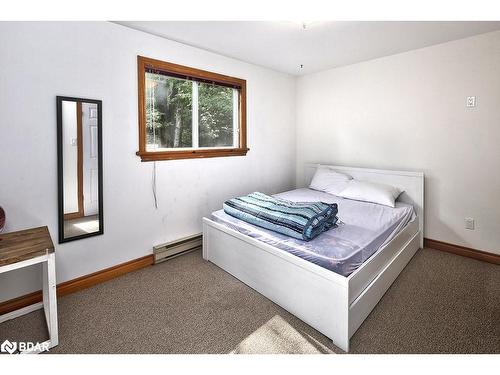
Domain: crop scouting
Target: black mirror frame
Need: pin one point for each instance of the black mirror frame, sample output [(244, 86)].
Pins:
[(59, 100)]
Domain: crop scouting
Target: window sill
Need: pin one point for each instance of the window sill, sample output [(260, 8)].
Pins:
[(191, 154)]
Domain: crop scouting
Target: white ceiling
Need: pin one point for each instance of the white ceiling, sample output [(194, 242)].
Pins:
[(285, 45)]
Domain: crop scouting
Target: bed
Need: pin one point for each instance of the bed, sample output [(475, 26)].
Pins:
[(333, 296)]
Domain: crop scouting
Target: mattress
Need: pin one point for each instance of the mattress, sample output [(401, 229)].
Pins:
[(362, 229)]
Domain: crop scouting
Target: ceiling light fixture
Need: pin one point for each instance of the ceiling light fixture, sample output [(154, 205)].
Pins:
[(305, 24)]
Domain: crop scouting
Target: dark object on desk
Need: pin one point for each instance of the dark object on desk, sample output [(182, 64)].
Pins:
[(2, 219), (24, 244)]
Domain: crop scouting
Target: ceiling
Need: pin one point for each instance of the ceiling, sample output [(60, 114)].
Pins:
[(286, 45)]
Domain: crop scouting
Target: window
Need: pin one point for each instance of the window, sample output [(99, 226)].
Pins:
[(189, 113)]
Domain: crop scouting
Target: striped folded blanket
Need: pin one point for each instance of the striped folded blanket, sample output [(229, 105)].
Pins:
[(299, 220)]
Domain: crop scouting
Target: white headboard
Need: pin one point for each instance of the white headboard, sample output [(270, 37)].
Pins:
[(411, 182)]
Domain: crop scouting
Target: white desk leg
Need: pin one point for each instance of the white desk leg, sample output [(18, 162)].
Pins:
[(49, 298), (45, 292)]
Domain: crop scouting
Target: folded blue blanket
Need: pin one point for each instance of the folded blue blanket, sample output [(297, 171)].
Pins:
[(302, 220)]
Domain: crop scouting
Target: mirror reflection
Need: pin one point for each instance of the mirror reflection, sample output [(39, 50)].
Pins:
[(79, 125)]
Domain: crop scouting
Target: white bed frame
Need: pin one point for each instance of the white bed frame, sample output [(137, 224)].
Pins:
[(333, 304)]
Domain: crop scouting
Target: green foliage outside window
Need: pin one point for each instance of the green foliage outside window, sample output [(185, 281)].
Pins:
[(215, 116), (169, 113)]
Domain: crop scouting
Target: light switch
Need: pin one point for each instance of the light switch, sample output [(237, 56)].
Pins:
[(471, 101)]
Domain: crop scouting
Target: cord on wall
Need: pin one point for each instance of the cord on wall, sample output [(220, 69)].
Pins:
[(153, 185)]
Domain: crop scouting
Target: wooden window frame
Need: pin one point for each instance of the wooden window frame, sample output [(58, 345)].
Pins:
[(176, 70)]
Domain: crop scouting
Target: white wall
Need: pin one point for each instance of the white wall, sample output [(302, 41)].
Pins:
[(70, 157), (98, 60), (408, 112)]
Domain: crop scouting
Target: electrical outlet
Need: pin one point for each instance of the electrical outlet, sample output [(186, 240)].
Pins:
[(469, 223), (471, 101)]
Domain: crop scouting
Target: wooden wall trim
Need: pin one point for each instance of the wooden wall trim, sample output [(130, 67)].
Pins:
[(462, 250), (79, 162), (79, 129), (79, 283), (20, 302)]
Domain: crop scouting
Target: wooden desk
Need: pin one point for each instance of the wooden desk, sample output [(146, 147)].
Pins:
[(25, 248)]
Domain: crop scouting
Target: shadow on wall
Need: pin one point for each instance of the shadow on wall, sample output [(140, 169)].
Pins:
[(17, 214), (444, 230)]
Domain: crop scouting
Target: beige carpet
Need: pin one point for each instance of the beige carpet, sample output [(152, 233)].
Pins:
[(441, 303)]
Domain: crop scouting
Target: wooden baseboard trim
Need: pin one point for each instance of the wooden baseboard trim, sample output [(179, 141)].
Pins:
[(79, 283), (20, 302), (462, 250)]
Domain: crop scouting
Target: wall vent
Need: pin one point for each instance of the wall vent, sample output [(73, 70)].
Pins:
[(175, 248)]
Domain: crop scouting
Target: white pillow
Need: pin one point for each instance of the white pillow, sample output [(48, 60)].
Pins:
[(327, 180), (371, 192)]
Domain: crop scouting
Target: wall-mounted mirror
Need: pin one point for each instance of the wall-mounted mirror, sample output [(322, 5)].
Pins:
[(79, 147)]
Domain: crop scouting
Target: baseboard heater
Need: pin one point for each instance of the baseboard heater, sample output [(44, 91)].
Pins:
[(178, 247)]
